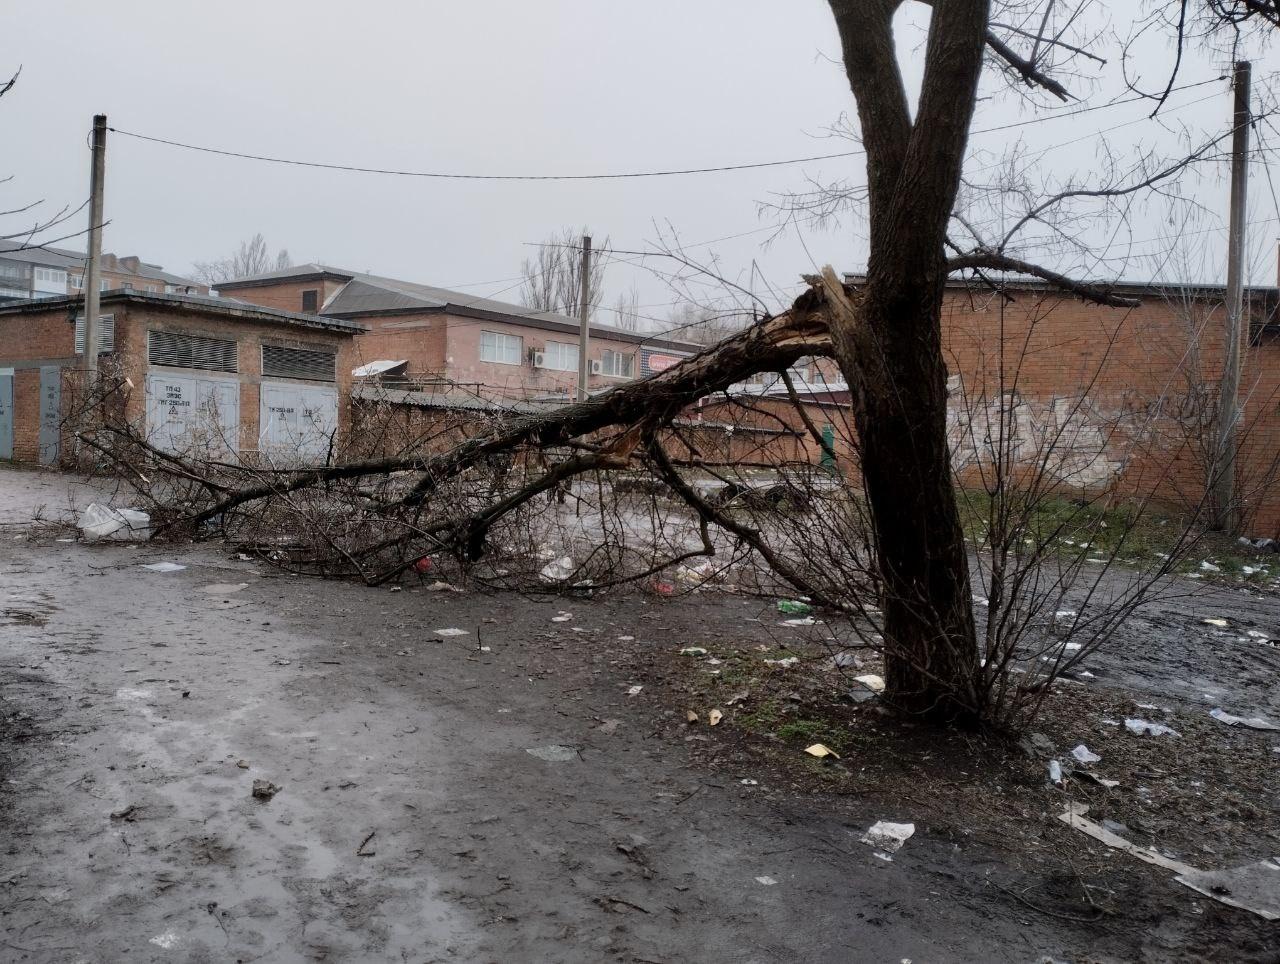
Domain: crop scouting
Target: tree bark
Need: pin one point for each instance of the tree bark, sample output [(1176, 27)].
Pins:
[(890, 347)]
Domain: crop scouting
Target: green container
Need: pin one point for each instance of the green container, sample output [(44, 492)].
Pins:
[(794, 607)]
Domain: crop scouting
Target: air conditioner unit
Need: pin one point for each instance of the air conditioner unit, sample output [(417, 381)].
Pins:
[(539, 359), (597, 367)]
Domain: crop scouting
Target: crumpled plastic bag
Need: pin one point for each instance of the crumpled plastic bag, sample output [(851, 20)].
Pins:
[(103, 522)]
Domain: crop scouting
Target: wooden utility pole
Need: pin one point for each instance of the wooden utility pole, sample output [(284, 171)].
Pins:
[(1224, 509), (92, 271), (584, 319)]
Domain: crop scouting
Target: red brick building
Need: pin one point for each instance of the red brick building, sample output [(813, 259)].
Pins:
[(419, 336), (203, 373)]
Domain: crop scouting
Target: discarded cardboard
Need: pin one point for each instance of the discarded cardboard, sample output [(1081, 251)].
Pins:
[(821, 751), (1074, 816), (1253, 887)]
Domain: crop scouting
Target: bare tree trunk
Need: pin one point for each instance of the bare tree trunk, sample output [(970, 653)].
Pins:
[(891, 350)]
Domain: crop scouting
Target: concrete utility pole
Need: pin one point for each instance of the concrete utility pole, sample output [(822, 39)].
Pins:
[(584, 318), (92, 272), (1225, 515)]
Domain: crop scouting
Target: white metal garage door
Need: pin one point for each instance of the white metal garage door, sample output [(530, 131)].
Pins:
[(297, 421), (193, 414)]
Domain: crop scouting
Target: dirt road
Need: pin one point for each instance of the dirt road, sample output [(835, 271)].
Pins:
[(412, 823)]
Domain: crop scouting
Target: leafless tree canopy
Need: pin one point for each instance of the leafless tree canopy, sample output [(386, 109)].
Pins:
[(553, 276), (253, 257)]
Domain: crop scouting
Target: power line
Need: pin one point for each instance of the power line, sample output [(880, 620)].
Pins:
[(674, 172)]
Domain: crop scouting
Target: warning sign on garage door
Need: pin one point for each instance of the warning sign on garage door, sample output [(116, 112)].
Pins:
[(193, 414), (297, 421)]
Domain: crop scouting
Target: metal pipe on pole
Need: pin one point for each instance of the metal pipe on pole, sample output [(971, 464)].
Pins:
[(93, 271), (1226, 516), (584, 318)]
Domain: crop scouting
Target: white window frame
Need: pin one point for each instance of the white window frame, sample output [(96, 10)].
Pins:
[(561, 356), (610, 363), (104, 284), (77, 281), (53, 276), (499, 348)]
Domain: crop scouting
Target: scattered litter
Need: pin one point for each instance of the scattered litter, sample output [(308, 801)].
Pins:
[(1253, 887), (1220, 623), (1084, 755), (794, 607), (452, 632), (1085, 674), (164, 567), (802, 621), (1055, 773), (392, 589), (1141, 727), (168, 940), (1255, 634), (888, 837), (101, 522), (786, 662), (821, 751), (558, 570), (280, 662), (127, 814), (1095, 779), (690, 716), (634, 691), (264, 789), (766, 881), (737, 697), (242, 764), (442, 587), (714, 717), (1064, 614), (1208, 566), (1073, 816), (748, 782), (555, 753), (846, 659), (693, 651), (423, 565), (1249, 723), (1072, 647), (664, 588), (561, 617), (626, 639), (224, 588), (872, 682)]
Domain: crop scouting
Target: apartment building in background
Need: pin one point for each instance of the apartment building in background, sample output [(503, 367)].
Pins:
[(28, 272)]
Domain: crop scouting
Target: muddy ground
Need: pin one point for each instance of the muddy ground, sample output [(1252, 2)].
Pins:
[(137, 709)]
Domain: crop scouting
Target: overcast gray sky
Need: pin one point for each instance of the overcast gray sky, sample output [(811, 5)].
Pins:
[(563, 86)]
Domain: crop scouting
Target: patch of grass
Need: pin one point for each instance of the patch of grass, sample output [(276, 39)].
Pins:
[(1122, 533)]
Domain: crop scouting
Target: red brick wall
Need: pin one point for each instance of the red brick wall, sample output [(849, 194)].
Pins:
[(286, 296), (1126, 395)]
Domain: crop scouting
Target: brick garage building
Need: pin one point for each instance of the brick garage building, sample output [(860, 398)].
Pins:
[(1126, 397), (205, 373)]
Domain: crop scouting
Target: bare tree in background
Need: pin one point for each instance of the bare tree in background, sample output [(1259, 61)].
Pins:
[(703, 324), (626, 314), (553, 277), (253, 257)]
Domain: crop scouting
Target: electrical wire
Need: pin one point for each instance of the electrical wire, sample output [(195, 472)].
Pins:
[(624, 175)]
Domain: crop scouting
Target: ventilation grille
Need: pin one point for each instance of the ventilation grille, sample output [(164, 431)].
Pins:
[(106, 334), (316, 366), (191, 351)]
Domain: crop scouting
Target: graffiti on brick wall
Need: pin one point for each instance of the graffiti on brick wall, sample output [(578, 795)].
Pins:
[(1069, 439)]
